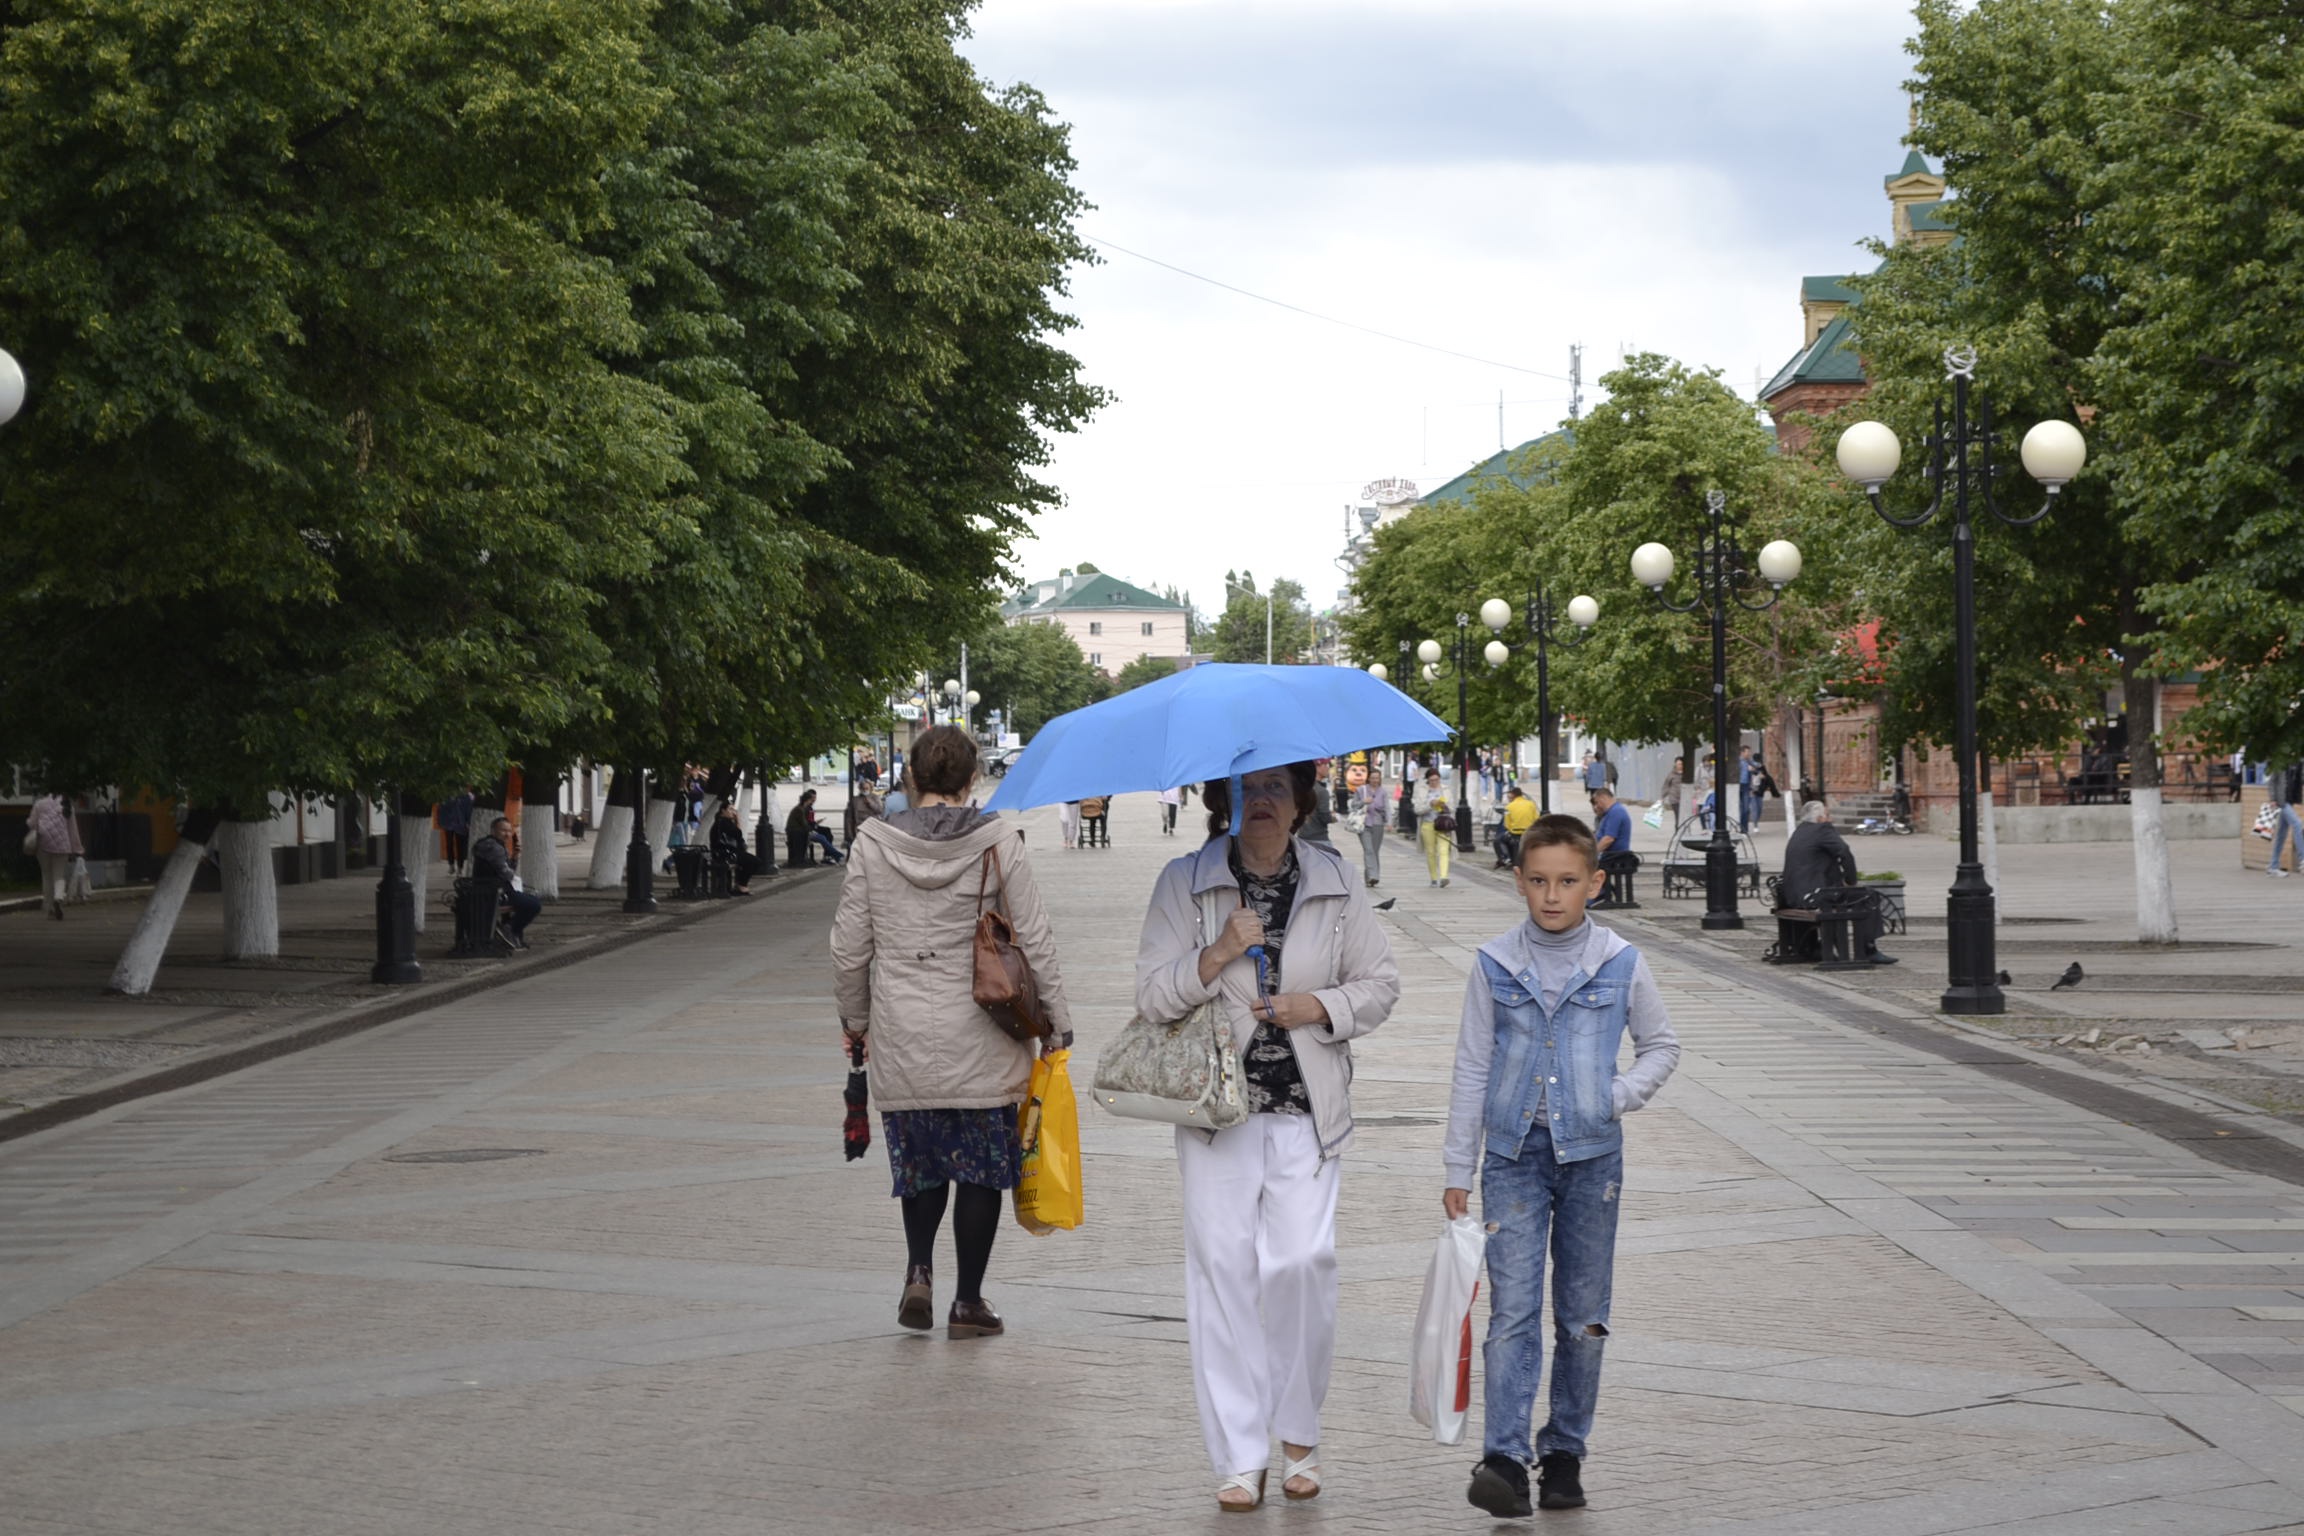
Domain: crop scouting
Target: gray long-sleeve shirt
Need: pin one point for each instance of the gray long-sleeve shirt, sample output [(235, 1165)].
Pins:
[(1656, 1049)]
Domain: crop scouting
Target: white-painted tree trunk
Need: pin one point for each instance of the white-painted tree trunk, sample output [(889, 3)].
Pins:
[(608, 845), (2155, 889), (140, 961), (251, 895), (416, 844), (659, 827), (539, 852), (1988, 850), (1789, 724)]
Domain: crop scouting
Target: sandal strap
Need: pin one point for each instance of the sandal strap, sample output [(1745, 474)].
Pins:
[(1309, 1467), (1246, 1482)]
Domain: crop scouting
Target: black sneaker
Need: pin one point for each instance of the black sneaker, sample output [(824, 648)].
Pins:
[(1559, 1481), (1500, 1486)]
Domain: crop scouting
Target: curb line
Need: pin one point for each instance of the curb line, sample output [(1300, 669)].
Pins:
[(303, 1037)]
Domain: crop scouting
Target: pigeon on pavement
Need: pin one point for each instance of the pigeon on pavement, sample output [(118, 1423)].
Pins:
[(2007, 980), (1386, 904), (2072, 977)]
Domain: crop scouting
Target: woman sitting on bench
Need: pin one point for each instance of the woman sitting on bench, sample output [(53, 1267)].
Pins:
[(728, 848)]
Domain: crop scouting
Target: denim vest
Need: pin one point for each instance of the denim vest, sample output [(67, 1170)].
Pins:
[(1572, 1054)]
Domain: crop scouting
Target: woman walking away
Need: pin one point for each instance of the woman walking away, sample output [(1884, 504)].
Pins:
[(58, 843), (1438, 845), (1260, 1197), (1373, 802), (948, 1080)]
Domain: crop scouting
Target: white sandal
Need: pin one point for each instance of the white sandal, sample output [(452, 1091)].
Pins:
[(1247, 1482), (1308, 1469)]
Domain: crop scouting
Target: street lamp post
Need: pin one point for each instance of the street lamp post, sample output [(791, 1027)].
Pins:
[(1251, 591), (1722, 578), (639, 859), (396, 905), (1430, 652), (2053, 453), (1543, 627)]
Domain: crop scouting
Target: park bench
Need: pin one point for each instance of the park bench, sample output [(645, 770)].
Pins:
[(1818, 935), (1682, 871), (1619, 868)]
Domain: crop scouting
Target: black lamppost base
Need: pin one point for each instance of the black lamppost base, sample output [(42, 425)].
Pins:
[(1971, 945), (639, 877), (395, 918), (1720, 884)]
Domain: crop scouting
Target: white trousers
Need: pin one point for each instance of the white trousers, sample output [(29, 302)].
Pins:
[(1259, 1284)]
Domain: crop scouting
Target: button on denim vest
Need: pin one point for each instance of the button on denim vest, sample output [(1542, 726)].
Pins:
[(1572, 1054)]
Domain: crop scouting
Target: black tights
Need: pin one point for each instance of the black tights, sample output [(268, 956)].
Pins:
[(975, 1222)]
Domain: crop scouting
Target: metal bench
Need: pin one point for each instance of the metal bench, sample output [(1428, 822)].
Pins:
[(480, 926), (1818, 935)]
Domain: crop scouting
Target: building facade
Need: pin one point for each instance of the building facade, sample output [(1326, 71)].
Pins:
[(1112, 621)]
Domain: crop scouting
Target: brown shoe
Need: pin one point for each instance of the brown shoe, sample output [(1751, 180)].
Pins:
[(972, 1320), (918, 1308)]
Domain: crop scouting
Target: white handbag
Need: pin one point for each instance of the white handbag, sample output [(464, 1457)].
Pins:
[(1184, 1072)]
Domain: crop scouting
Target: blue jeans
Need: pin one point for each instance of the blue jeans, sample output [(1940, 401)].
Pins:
[(1751, 806), (1538, 1205), (2287, 827)]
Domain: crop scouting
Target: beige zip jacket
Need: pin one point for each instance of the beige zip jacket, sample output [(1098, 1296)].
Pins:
[(903, 958), (1337, 950)]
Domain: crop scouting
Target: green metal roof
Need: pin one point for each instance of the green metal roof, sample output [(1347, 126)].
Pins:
[(1915, 164), (1828, 290), (1829, 359), (1096, 591), (1498, 466)]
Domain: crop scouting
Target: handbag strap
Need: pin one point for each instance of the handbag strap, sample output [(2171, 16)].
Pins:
[(984, 871)]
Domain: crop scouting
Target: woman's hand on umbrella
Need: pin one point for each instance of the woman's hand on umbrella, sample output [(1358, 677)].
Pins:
[(1243, 931), (1290, 1010), (855, 1037)]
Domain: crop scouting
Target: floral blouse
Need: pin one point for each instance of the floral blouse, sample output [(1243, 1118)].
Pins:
[(1275, 1082)]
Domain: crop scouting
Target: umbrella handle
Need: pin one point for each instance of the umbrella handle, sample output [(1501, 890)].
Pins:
[(1263, 972)]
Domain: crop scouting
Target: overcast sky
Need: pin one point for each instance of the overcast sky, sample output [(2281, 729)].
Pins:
[(1501, 178)]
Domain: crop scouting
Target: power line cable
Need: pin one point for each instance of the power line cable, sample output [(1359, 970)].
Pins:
[(1313, 314)]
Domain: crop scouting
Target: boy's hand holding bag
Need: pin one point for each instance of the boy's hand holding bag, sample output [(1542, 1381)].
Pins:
[(1440, 1358)]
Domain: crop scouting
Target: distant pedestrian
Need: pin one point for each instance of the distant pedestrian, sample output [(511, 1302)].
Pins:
[(1171, 801), (1669, 795), (56, 835), (899, 798), (1068, 823), (455, 817), (1597, 774), (1372, 802), (947, 1078), (1439, 843), (2288, 831), (1748, 789), (1316, 823)]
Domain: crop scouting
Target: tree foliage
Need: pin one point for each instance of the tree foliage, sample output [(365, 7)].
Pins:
[(1033, 673), (1239, 632), (420, 384)]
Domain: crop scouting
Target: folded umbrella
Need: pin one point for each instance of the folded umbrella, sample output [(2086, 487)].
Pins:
[(856, 1130), (1218, 720)]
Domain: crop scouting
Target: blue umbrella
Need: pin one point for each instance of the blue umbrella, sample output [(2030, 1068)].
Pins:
[(1214, 721)]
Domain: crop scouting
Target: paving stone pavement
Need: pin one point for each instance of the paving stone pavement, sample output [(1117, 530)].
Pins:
[(581, 1255)]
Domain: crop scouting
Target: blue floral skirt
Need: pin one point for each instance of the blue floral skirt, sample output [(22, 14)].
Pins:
[(928, 1147)]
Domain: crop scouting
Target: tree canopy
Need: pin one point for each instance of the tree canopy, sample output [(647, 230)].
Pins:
[(422, 386)]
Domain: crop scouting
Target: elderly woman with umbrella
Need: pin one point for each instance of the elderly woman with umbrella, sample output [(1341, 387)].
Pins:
[(1277, 933)]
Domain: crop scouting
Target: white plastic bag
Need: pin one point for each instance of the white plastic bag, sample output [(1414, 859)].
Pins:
[(76, 884), (1440, 1359)]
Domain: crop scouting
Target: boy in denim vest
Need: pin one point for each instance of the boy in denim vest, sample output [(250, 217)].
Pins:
[(1536, 1109)]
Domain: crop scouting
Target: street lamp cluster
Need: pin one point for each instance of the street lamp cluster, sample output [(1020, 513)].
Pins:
[(2053, 453)]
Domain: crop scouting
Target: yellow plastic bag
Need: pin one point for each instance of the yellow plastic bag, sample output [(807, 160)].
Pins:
[(1048, 1123)]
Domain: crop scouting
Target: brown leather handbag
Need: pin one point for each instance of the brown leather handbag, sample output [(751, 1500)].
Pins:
[(1004, 987)]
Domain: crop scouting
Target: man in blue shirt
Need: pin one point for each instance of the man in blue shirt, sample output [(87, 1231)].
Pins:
[(1611, 823)]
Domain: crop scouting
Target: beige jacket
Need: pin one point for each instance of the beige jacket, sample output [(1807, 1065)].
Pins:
[(904, 962), (1337, 951)]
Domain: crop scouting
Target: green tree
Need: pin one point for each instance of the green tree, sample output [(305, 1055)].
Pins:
[(1144, 669), (328, 456), (1239, 632), (2199, 374), (2018, 101), (1035, 670)]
